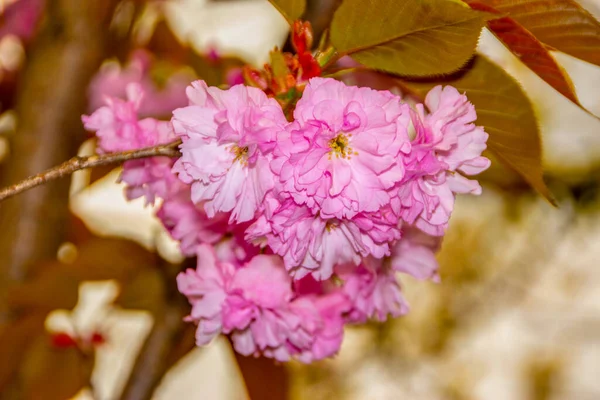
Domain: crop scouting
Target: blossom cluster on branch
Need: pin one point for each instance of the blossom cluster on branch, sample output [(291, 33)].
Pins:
[(299, 227)]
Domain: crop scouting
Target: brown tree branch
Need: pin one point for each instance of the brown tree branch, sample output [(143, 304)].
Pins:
[(77, 163), (51, 96), (151, 363), (169, 340)]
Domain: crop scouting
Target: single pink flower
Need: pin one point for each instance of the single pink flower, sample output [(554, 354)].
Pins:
[(118, 128), (323, 322), (457, 141), (158, 101), (256, 306), (447, 145), (227, 135), (373, 291), (257, 312), (206, 290), (344, 152)]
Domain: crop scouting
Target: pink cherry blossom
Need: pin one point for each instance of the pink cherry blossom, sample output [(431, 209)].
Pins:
[(344, 152), (299, 227), (206, 290), (112, 81), (263, 318), (189, 224), (373, 291), (118, 128), (447, 145), (234, 248), (148, 178), (227, 135), (323, 320), (310, 244), (256, 306), (414, 254), (457, 141)]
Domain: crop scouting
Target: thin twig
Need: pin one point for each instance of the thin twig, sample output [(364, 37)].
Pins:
[(77, 163)]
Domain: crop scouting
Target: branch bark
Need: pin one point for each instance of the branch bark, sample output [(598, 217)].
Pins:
[(77, 163), (168, 341), (152, 361)]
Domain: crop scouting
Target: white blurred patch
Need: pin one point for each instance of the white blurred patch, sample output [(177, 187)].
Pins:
[(12, 53), (195, 375), (249, 29), (5, 3), (103, 208)]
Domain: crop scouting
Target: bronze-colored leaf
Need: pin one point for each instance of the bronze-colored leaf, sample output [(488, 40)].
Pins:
[(290, 9), (505, 112), (404, 37), (561, 24), (530, 51), (54, 373)]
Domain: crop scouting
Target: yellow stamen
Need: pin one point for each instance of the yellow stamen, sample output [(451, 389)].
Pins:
[(330, 226), (241, 154), (340, 146)]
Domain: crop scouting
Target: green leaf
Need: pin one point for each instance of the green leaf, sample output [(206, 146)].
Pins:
[(279, 66), (290, 9), (505, 112), (561, 24), (407, 37)]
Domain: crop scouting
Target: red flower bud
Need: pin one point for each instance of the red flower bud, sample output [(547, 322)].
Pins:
[(302, 36)]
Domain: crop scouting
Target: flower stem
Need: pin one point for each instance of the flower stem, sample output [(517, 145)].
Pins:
[(77, 163)]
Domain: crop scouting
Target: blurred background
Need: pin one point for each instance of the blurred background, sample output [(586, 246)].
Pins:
[(516, 315)]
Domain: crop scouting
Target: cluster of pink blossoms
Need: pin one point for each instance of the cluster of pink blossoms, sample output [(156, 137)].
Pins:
[(300, 227)]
